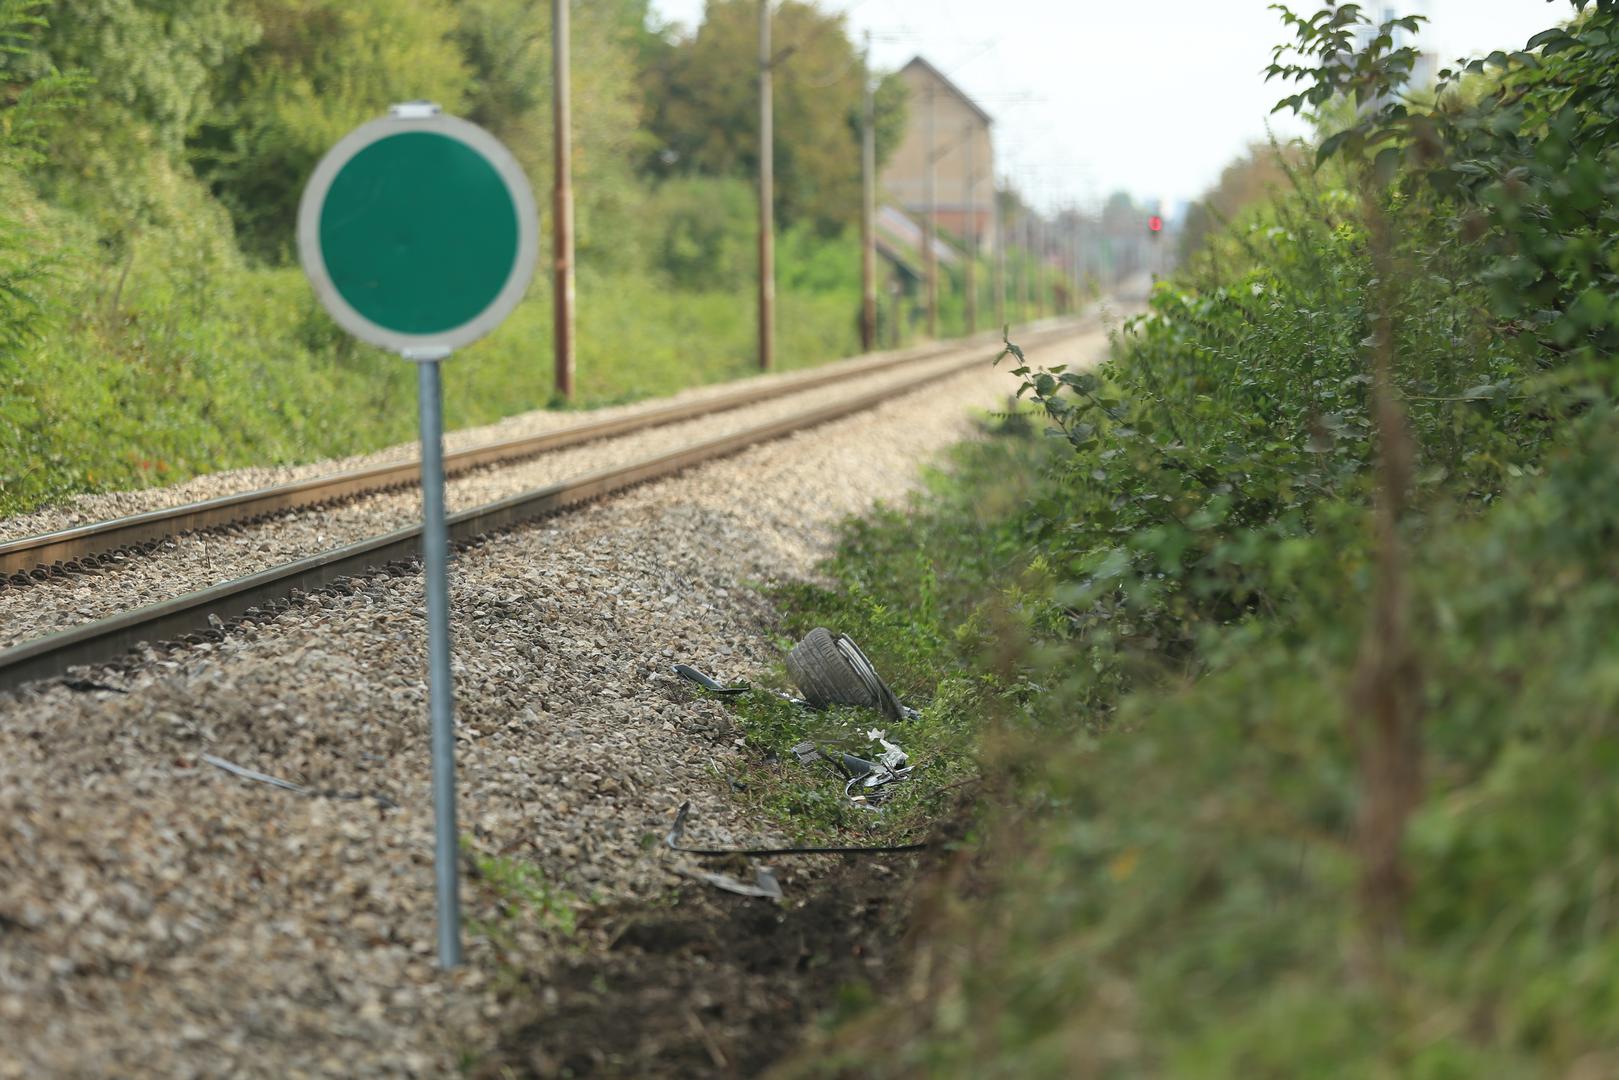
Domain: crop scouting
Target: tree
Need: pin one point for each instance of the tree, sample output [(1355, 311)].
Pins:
[(702, 92), (318, 69)]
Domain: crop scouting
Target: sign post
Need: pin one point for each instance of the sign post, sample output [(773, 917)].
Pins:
[(418, 234)]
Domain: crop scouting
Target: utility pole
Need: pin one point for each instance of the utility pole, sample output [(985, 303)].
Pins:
[(868, 204), (1073, 249), (929, 259), (561, 205), (767, 195), (999, 227), (1039, 269), (971, 220), (1023, 267)]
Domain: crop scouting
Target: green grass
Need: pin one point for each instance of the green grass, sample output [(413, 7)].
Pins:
[(911, 591), (206, 365), (247, 371)]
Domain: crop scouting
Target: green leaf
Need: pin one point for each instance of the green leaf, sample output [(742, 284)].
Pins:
[(1387, 163), (1329, 146), (1547, 37)]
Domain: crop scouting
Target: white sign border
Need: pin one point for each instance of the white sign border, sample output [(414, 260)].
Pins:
[(418, 346)]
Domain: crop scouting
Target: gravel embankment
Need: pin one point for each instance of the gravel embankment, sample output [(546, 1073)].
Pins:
[(185, 564), (161, 917)]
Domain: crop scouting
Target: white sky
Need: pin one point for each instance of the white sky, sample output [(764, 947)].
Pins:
[(1150, 96)]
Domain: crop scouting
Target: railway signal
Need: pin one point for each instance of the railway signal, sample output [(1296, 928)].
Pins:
[(419, 235)]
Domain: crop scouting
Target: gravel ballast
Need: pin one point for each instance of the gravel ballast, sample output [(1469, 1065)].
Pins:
[(185, 564), (159, 916)]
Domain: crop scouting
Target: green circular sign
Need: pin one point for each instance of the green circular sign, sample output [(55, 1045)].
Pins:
[(418, 232)]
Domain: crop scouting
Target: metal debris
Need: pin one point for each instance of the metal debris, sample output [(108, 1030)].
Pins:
[(691, 674), (765, 884), (867, 784), (253, 774), (297, 789), (677, 832), (86, 686)]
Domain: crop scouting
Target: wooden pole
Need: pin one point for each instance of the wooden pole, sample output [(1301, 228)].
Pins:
[(767, 195), (1023, 269), (868, 204), (1073, 258), (930, 260), (970, 219), (1039, 269), (561, 205), (999, 227)]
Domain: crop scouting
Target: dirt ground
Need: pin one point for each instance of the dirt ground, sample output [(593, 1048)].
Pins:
[(707, 983)]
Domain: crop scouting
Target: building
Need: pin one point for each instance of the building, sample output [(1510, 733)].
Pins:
[(946, 125)]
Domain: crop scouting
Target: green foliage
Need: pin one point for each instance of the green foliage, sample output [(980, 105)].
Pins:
[(150, 325), (30, 111), (703, 94), (1185, 907), (707, 232), (1176, 599), (153, 63), (1535, 156), (521, 892), (317, 69), (1202, 452)]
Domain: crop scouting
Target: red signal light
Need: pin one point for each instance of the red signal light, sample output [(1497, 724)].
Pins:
[(1155, 223)]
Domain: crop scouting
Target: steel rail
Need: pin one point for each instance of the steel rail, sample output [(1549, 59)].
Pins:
[(106, 640), (64, 548)]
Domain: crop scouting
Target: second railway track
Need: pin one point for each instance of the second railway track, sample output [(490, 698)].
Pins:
[(154, 616), (83, 546)]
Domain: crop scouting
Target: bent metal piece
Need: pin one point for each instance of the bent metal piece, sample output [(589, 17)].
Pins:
[(107, 639), (67, 545)]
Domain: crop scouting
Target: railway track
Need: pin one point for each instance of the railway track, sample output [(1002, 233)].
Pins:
[(88, 546), (206, 613)]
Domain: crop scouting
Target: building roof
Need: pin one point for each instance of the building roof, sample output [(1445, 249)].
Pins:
[(922, 65)]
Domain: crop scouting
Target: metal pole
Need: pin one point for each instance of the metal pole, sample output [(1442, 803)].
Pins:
[(971, 221), (868, 205), (441, 691), (767, 195), (929, 260), (562, 204)]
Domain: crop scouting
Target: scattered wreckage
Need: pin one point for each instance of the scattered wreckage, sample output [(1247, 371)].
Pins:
[(828, 669)]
